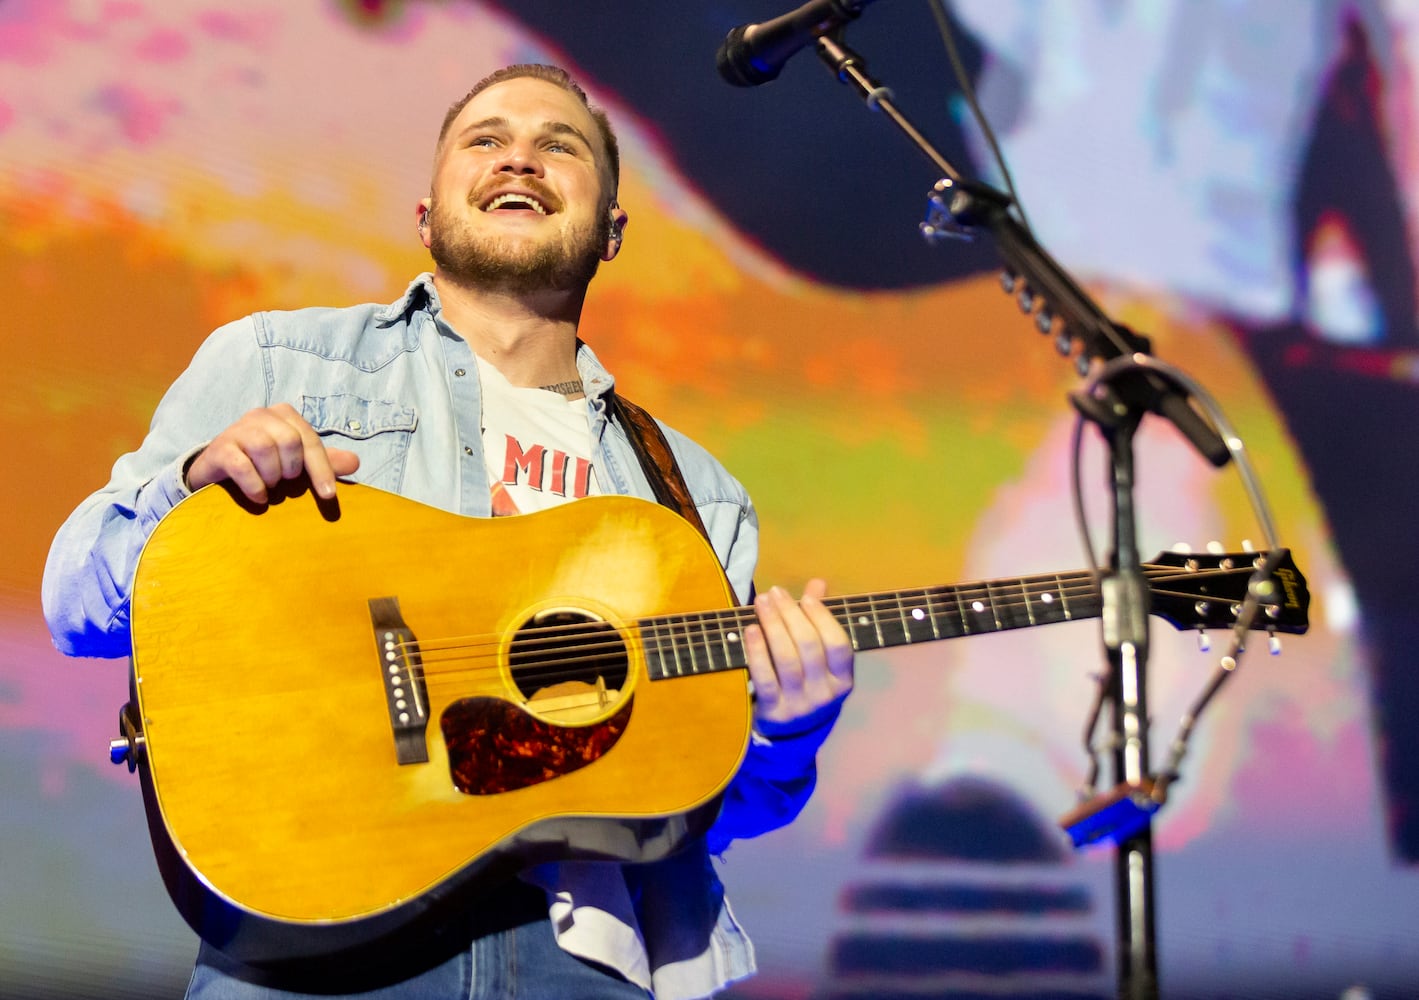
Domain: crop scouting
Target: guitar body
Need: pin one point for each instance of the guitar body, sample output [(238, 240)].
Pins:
[(286, 825)]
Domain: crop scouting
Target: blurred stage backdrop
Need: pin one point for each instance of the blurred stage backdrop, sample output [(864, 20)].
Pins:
[(1238, 179)]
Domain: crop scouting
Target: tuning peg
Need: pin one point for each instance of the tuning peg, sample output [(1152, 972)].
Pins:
[(1182, 548), (1044, 320), (1204, 641), (1008, 280), (1247, 545), (1025, 299), (1215, 548), (1063, 343)]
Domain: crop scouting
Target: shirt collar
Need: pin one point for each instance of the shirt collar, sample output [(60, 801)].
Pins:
[(419, 295)]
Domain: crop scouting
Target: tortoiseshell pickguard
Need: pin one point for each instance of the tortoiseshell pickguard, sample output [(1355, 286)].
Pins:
[(494, 746)]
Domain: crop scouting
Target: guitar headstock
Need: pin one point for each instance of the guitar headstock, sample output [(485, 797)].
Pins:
[(1205, 590)]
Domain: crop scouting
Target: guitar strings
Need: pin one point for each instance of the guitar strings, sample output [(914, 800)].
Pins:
[(852, 603), (664, 627), (698, 629), (860, 602)]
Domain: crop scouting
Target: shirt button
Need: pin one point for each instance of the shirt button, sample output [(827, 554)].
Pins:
[(467, 450), (354, 425), (459, 372)]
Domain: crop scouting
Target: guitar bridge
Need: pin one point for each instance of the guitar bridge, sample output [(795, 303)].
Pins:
[(402, 676)]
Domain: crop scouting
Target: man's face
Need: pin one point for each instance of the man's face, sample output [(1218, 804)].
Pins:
[(521, 191)]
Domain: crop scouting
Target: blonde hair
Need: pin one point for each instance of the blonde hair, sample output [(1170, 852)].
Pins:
[(554, 75)]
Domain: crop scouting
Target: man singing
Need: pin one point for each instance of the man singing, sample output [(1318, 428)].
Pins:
[(473, 394)]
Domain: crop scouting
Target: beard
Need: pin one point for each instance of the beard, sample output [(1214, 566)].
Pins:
[(515, 266)]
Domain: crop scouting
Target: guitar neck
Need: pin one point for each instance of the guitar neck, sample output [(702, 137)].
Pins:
[(705, 642)]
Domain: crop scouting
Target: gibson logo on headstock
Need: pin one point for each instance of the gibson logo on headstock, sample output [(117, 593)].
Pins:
[(1289, 584)]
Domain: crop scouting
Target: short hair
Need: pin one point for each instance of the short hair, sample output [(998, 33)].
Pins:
[(558, 77)]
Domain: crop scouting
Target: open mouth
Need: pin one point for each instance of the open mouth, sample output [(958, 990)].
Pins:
[(516, 202)]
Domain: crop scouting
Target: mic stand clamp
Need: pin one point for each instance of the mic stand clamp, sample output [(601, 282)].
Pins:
[(960, 209)]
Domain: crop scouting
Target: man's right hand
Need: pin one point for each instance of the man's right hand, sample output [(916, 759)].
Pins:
[(266, 446)]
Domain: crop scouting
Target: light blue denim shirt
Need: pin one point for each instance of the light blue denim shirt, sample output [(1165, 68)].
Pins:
[(397, 386)]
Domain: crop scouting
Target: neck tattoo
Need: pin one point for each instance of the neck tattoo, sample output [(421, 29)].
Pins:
[(573, 388)]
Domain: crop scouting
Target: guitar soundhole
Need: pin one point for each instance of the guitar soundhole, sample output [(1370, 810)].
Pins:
[(561, 652), (570, 669)]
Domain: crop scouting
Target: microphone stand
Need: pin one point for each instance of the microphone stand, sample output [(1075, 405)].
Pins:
[(962, 207)]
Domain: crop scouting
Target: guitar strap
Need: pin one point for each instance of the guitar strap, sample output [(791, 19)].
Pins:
[(656, 460)]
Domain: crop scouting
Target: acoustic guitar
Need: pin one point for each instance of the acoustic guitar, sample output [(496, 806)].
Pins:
[(349, 714)]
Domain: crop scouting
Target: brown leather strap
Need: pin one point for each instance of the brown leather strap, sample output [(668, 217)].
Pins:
[(656, 460)]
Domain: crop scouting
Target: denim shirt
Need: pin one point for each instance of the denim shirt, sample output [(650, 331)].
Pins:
[(397, 386)]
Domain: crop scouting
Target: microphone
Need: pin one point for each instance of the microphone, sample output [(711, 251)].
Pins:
[(755, 53)]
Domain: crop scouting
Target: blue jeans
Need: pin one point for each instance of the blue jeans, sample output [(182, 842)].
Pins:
[(518, 963)]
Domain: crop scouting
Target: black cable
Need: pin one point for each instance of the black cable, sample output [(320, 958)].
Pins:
[(948, 37)]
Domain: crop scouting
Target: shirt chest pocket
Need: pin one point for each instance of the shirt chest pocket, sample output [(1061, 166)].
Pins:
[(376, 430)]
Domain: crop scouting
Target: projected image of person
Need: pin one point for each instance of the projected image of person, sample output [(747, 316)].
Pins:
[(1273, 151)]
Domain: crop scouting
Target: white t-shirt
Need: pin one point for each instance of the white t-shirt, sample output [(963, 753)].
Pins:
[(537, 445)]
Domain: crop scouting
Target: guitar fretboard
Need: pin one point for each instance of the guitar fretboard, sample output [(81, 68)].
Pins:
[(682, 645)]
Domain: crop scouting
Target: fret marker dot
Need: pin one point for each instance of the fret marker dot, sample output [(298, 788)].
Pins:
[(918, 614), (1047, 598), (393, 668), (403, 716), (977, 606), (863, 620), (732, 636)]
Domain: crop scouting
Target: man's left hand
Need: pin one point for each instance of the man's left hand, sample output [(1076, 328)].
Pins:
[(800, 660)]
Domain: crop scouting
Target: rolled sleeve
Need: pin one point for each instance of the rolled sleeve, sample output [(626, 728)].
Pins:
[(89, 573)]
